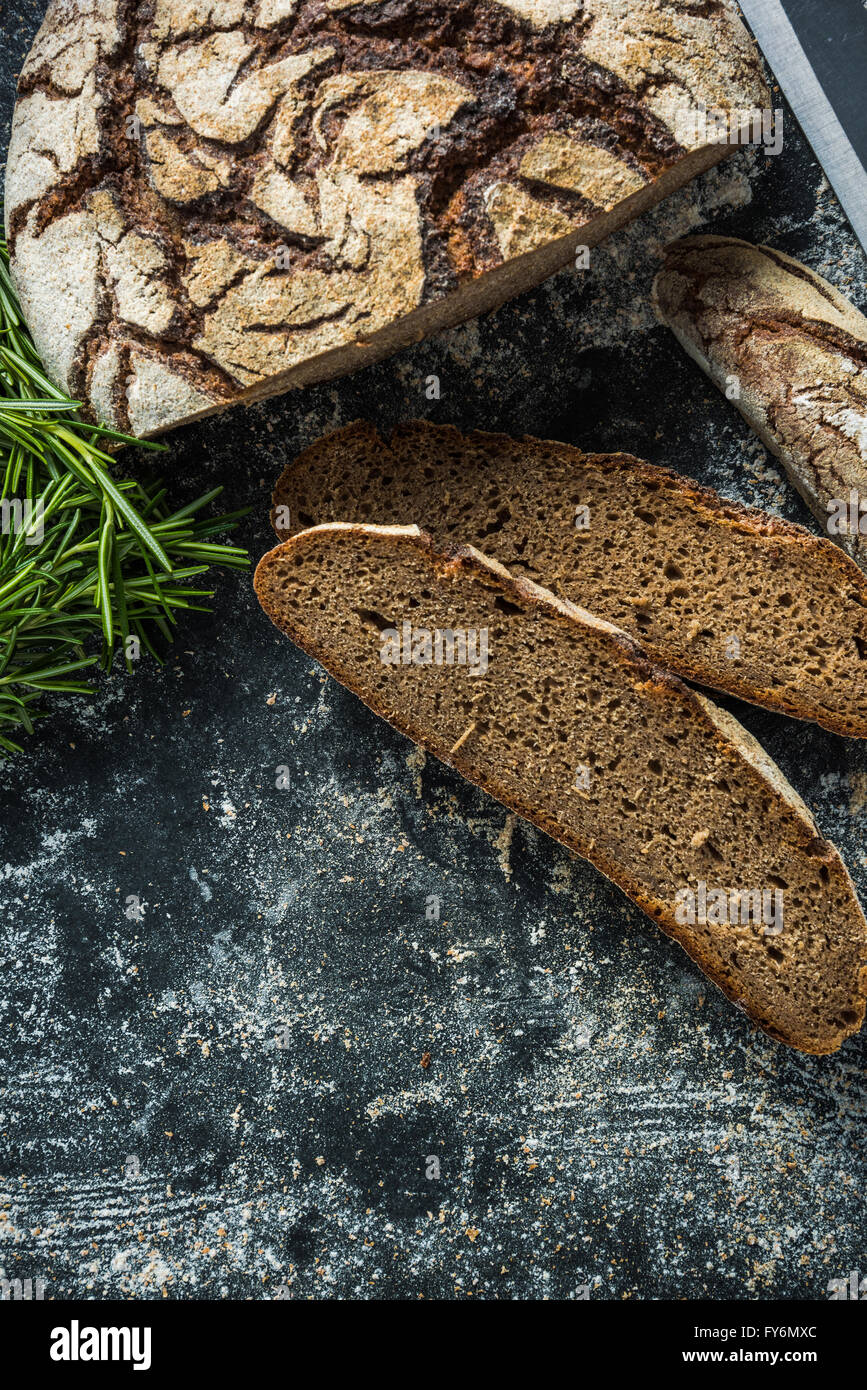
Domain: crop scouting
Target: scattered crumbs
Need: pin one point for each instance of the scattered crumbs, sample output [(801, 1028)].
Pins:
[(503, 845), (858, 798), (416, 761)]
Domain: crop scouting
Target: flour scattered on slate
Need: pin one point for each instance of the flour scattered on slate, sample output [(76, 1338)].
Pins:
[(217, 990)]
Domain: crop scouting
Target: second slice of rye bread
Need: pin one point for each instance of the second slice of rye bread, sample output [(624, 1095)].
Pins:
[(724, 595), (572, 727)]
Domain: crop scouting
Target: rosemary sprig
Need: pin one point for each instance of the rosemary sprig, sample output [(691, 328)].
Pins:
[(89, 564)]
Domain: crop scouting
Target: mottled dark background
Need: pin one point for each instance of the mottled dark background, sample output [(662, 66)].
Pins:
[(599, 1113)]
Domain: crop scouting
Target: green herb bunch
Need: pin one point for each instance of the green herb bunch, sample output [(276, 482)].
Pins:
[(89, 563)]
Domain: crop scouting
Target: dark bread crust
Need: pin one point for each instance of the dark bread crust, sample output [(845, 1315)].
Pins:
[(731, 744), (798, 349), (250, 195), (352, 450)]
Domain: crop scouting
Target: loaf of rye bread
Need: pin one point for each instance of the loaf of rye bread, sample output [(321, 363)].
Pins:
[(724, 595), (568, 724), (210, 201), (791, 352)]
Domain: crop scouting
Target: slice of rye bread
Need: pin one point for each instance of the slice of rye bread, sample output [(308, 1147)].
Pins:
[(213, 202), (798, 351), (572, 727), (722, 594)]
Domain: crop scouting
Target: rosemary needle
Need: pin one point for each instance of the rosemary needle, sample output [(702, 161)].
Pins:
[(90, 565)]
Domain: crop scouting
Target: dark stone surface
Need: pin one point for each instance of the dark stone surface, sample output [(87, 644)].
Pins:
[(599, 1113)]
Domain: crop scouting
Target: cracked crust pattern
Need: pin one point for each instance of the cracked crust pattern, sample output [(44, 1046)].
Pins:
[(798, 349), (213, 200)]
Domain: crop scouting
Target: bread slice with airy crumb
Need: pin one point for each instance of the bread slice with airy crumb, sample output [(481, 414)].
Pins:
[(724, 595), (563, 718)]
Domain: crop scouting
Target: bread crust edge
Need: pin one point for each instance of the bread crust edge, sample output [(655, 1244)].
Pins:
[(717, 509), (658, 683)]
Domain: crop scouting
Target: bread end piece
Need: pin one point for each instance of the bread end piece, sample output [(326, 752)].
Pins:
[(791, 352)]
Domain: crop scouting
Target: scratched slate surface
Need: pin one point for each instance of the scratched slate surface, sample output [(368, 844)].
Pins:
[(225, 1099)]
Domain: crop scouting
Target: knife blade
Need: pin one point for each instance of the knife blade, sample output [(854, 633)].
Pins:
[(818, 54)]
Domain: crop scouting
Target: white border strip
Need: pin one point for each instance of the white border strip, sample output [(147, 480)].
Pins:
[(792, 69)]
